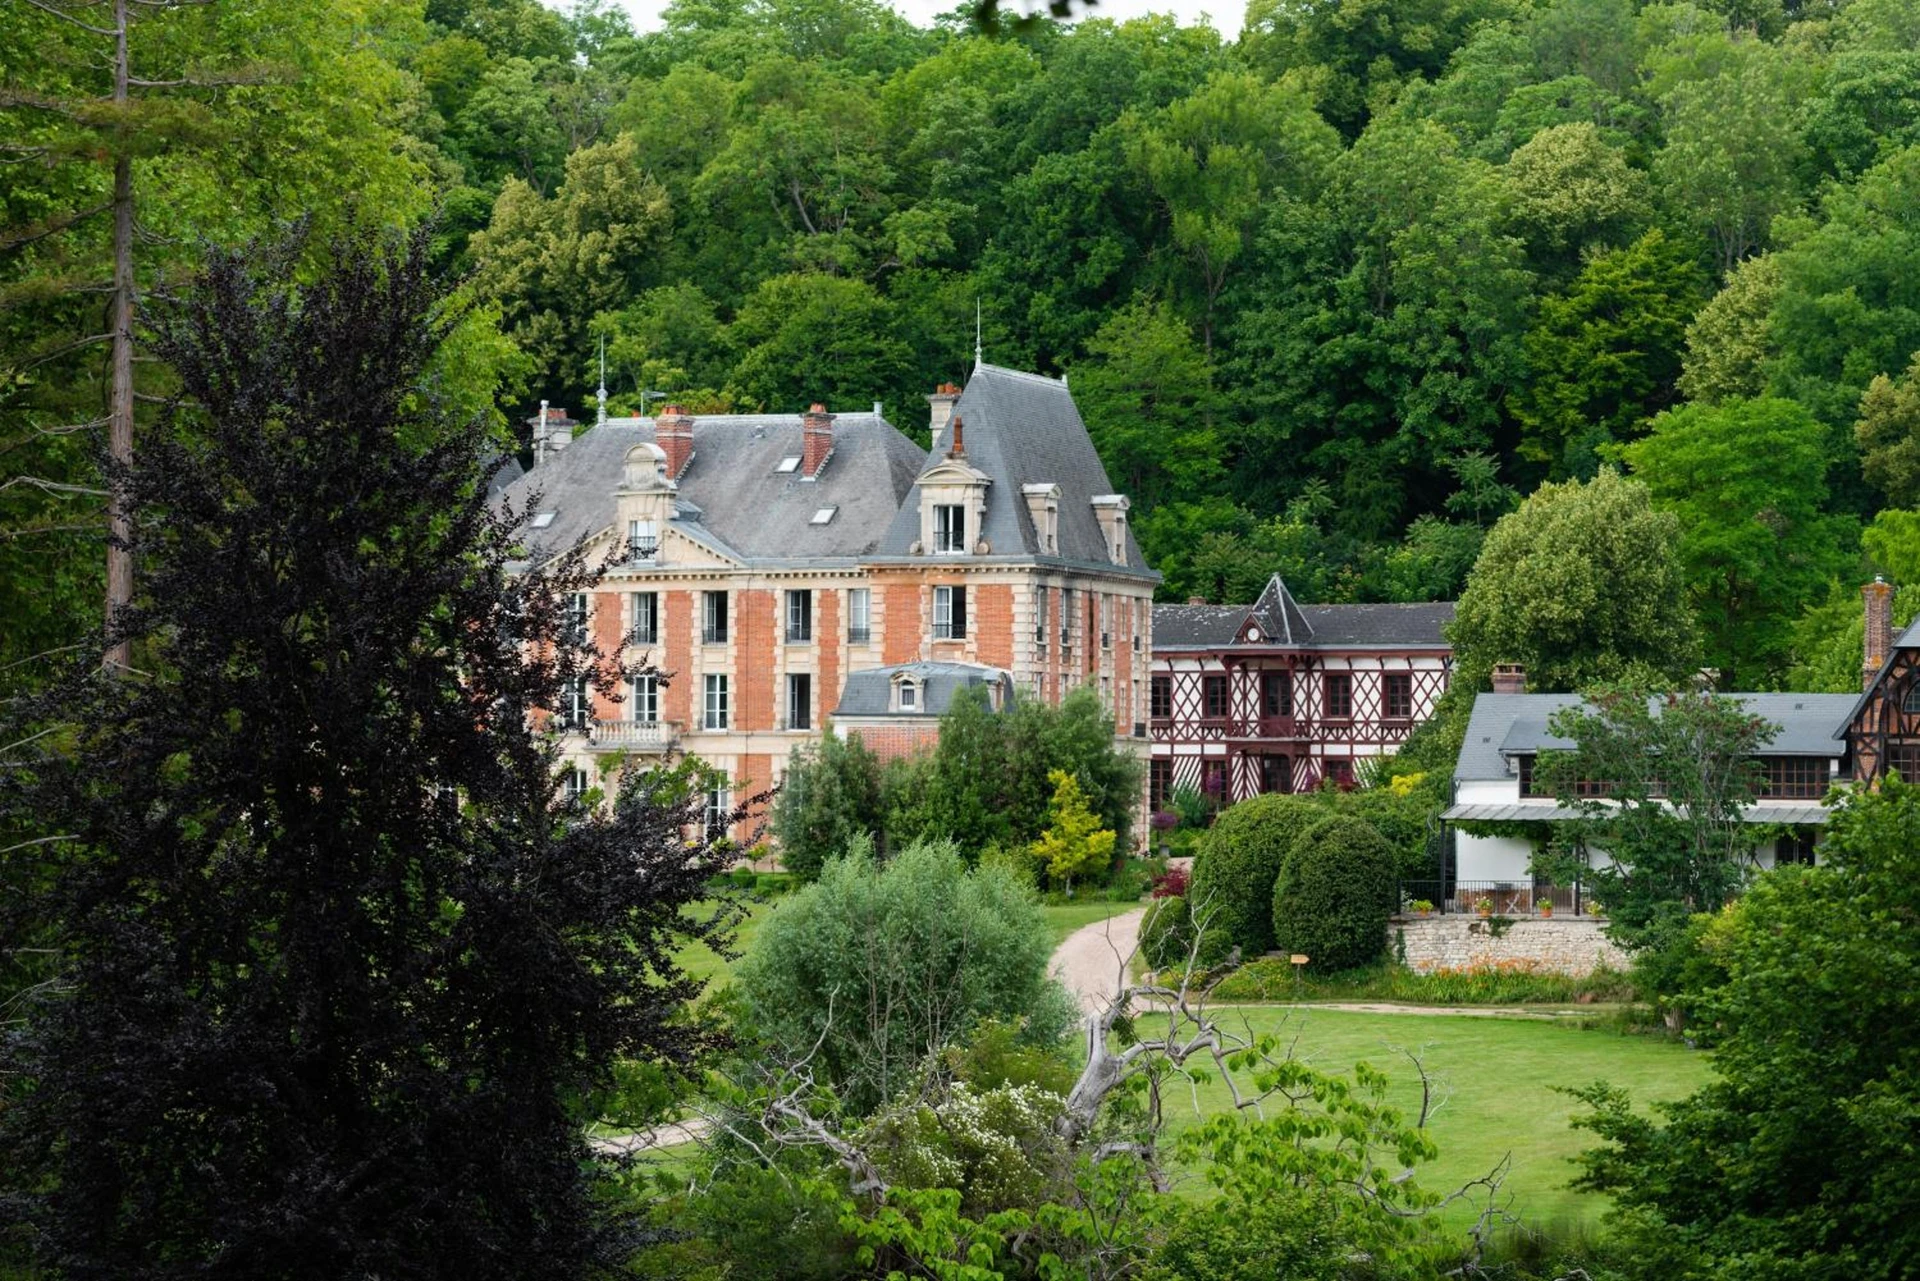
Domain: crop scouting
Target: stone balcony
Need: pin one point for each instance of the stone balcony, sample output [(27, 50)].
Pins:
[(633, 736)]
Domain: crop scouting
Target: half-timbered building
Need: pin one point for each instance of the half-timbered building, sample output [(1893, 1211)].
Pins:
[(761, 561), (1281, 697)]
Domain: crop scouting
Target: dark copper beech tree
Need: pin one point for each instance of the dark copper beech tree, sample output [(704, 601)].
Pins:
[(333, 965)]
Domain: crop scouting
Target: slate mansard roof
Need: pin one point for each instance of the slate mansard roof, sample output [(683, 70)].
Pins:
[(732, 494), (1507, 725), (1284, 623), (870, 692), (1023, 429)]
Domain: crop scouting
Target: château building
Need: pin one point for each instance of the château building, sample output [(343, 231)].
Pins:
[(775, 566)]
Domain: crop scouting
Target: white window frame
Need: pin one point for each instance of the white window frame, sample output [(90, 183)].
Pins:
[(803, 706), (944, 627), (714, 605), (799, 616), (643, 699), (643, 542), (949, 529), (714, 817), (646, 617), (859, 615), (716, 711), (907, 694)]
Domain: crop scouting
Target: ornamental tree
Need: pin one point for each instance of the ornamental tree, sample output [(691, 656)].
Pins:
[(1074, 843), (334, 967)]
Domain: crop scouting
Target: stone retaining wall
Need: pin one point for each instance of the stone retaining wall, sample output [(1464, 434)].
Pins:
[(1561, 945)]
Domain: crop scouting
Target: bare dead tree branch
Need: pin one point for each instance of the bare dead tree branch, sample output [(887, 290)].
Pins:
[(45, 6)]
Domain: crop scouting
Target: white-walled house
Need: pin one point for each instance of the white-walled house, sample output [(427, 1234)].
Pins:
[(1494, 787)]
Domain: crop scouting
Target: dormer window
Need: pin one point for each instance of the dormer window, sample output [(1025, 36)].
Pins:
[(543, 519), (909, 700), (949, 528), (643, 543)]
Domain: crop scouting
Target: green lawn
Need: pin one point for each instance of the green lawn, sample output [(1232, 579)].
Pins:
[(703, 962), (1497, 1076)]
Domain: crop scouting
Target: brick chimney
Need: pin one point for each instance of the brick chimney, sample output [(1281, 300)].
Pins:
[(941, 403), (1877, 597), (673, 430), (816, 440), (1509, 678), (958, 449)]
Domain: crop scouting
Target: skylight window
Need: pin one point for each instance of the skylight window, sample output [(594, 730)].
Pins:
[(789, 463), (542, 520), (822, 516)]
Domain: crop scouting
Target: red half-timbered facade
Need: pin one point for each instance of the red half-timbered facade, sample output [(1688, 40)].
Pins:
[(1279, 697)]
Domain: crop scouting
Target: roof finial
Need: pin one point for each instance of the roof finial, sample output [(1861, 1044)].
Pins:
[(600, 418), (977, 361)]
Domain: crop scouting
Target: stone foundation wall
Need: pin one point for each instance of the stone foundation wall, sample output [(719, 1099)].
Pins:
[(1561, 945)]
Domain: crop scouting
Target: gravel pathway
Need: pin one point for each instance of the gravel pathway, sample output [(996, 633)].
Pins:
[(1092, 962)]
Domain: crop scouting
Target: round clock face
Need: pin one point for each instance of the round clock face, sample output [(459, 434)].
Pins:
[(1253, 633)]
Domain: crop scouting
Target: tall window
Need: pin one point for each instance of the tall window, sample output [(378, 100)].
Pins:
[(949, 613), (1276, 773), (645, 699), (1398, 696), (799, 701), (1276, 694), (799, 615), (642, 543), (949, 528), (860, 615), (1139, 622), (716, 703), (1066, 617), (1106, 621), (1041, 600), (577, 618), (1339, 692), (713, 618), (1214, 691), (646, 618), (574, 782), (578, 704), (1160, 698), (1159, 783), (719, 808)]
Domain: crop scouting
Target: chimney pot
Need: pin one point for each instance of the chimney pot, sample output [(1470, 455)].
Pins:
[(958, 449), (1877, 602), (673, 430), (1196, 600), (1509, 678), (816, 440)]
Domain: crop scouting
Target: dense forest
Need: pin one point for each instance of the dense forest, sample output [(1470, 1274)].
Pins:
[(1331, 297)]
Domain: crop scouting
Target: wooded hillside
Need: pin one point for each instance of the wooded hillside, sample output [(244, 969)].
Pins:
[(1330, 297)]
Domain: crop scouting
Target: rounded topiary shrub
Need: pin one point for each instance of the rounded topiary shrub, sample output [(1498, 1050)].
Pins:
[(1334, 893), (1238, 861)]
